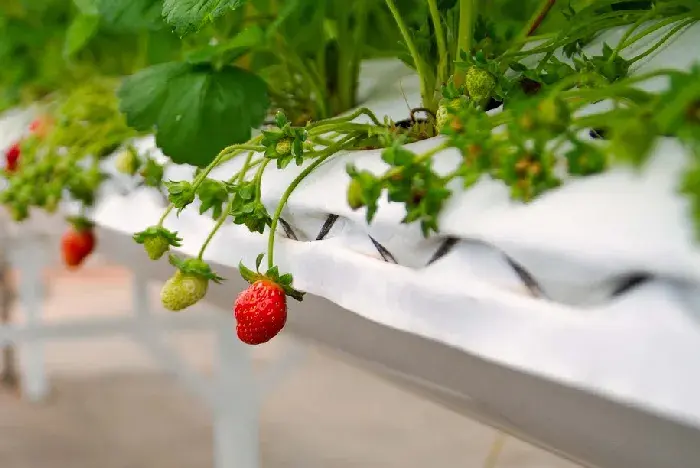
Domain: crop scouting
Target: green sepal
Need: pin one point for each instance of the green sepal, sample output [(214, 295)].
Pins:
[(195, 266), (80, 223), (158, 231), (272, 274)]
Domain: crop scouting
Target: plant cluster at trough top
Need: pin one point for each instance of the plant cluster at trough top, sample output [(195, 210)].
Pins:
[(502, 83)]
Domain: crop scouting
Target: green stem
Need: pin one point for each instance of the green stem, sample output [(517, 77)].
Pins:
[(218, 159), (250, 166), (295, 62), (419, 159), (244, 147), (533, 23), (440, 38), (537, 19), (323, 156), (573, 80), (619, 90), (348, 118), (628, 33), (465, 31), (258, 179), (226, 212), (661, 42), (165, 214), (426, 93), (317, 140), (347, 127), (605, 21), (651, 29), (142, 51)]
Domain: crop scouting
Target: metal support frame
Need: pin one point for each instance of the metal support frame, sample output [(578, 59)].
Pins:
[(9, 376), (233, 395)]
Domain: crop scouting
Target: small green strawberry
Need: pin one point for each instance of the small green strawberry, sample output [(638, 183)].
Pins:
[(188, 285), (284, 146), (157, 240), (156, 247), (355, 196), (553, 114), (128, 162), (444, 116), (19, 212), (479, 83), (51, 203)]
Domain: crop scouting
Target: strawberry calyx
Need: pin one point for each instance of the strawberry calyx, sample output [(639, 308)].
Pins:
[(195, 267), (80, 223), (272, 275), (157, 240)]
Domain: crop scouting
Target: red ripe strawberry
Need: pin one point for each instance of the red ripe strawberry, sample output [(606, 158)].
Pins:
[(76, 245), (260, 312), (12, 158)]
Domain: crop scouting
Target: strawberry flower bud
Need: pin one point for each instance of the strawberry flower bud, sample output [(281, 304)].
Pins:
[(180, 194), (128, 162)]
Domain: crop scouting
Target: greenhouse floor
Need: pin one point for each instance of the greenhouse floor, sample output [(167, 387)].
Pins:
[(111, 407)]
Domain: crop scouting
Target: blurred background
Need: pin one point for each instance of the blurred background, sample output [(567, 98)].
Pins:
[(111, 406)]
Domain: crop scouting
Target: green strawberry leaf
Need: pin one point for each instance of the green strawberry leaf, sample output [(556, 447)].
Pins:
[(188, 16), (196, 110), (258, 261), (86, 7), (130, 15), (230, 50), (81, 30)]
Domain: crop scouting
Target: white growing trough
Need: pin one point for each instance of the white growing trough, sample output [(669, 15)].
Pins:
[(571, 322)]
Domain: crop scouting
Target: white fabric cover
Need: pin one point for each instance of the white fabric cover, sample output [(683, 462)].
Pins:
[(640, 347)]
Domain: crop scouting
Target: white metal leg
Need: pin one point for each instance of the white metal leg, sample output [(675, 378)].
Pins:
[(233, 396), (29, 256), (293, 356), (139, 296), (236, 415), (150, 335)]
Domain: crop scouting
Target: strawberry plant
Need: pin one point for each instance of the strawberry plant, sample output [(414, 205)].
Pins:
[(504, 84), (54, 45), (244, 60), (465, 63), (68, 57)]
